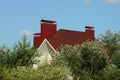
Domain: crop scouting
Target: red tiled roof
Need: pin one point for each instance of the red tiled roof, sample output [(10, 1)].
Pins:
[(70, 37)]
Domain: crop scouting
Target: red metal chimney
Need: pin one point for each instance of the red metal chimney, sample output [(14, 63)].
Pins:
[(48, 30), (89, 30)]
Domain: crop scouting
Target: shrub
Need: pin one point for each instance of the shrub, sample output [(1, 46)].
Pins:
[(94, 56), (111, 40), (110, 72), (116, 59), (47, 72), (85, 61)]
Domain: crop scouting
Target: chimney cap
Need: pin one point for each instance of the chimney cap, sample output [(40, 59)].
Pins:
[(36, 33), (89, 27), (48, 21)]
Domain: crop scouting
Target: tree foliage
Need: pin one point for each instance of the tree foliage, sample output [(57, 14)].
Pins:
[(47, 72), (111, 41), (4, 55), (22, 52), (19, 55), (110, 72), (84, 60), (116, 59), (70, 56), (94, 56)]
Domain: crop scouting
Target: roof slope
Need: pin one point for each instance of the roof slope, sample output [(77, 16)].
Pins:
[(70, 37)]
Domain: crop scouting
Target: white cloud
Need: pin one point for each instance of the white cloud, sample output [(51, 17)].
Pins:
[(113, 1), (26, 33), (86, 1)]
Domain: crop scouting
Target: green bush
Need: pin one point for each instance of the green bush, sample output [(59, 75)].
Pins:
[(116, 59), (110, 72), (111, 40), (85, 61), (70, 56), (94, 56), (47, 72)]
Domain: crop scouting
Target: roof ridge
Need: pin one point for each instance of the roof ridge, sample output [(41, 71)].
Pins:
[(71, 30)]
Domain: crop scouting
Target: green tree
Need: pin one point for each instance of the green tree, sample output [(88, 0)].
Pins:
[(69, 56), (85, 60), (110, 72), (94, 56), (116, 59), (19, 55), (22, 52), (46, 72), (111, 41), (4, 55)]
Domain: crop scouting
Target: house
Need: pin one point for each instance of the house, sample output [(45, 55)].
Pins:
[(50, 39)]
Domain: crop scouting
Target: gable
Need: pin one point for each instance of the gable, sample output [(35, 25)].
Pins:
[(44, 53), (45, 48)]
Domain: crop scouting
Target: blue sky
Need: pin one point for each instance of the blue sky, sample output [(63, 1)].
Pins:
[(18, 17)]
